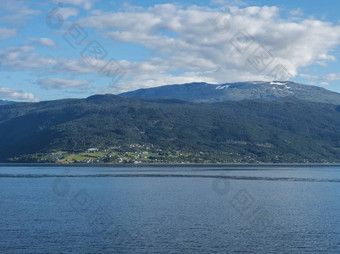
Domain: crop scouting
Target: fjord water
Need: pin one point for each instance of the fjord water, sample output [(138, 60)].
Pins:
[(159, 209)]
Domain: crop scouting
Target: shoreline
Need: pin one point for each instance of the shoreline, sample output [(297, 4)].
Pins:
[(9, 164)]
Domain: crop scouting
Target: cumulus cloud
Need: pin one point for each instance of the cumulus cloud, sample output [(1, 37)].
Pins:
[(86, 4), (296, 12), (21, 58), (68, 12), (332, 77), (195, 44), (16, 12), (44, 42), (57, 83), (26, 58), (188, 39), (228, 2), (7, 32), (13, 94), (69, 66), (323, 84), (308, 76)]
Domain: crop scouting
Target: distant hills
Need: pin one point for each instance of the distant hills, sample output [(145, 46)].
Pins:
[(281, 130), (204, 92), (4, 102)]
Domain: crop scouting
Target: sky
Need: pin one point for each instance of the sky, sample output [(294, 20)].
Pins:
[(58, 49)]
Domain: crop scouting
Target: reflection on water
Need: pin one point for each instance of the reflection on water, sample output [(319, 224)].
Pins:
[(222, 209)]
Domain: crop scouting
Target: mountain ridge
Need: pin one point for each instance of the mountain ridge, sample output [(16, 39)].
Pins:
[(5, 102), (283, 130), (205, 92)]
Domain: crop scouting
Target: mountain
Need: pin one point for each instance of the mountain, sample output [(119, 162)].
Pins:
[(204, 92), (283, 130), (3, 102)]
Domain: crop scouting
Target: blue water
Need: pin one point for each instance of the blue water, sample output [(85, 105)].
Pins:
[(224, 209)]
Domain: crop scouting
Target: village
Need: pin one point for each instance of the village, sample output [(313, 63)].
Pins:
[(133, 153)]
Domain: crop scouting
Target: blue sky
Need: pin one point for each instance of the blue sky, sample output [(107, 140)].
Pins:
[(77, 48)]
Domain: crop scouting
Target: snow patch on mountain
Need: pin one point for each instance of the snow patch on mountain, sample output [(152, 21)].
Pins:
[(222, 87), (278, 83)]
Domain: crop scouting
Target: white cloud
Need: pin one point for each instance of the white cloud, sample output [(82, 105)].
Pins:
[(186, 47), (296, 12), (26, 58), (318, 83), (68, 12), (13, 94), (86, 4), (44, 41), (323, 84), (57, 83), (332, 77), (185, 39), (22, 58), (228, 2), (67, 66), (7, 32), (308, 76), (16, 12)]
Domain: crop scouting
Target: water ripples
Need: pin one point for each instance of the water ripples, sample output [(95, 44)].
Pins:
[(164, 175)]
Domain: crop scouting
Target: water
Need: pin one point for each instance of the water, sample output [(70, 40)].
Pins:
[(210, 209)]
